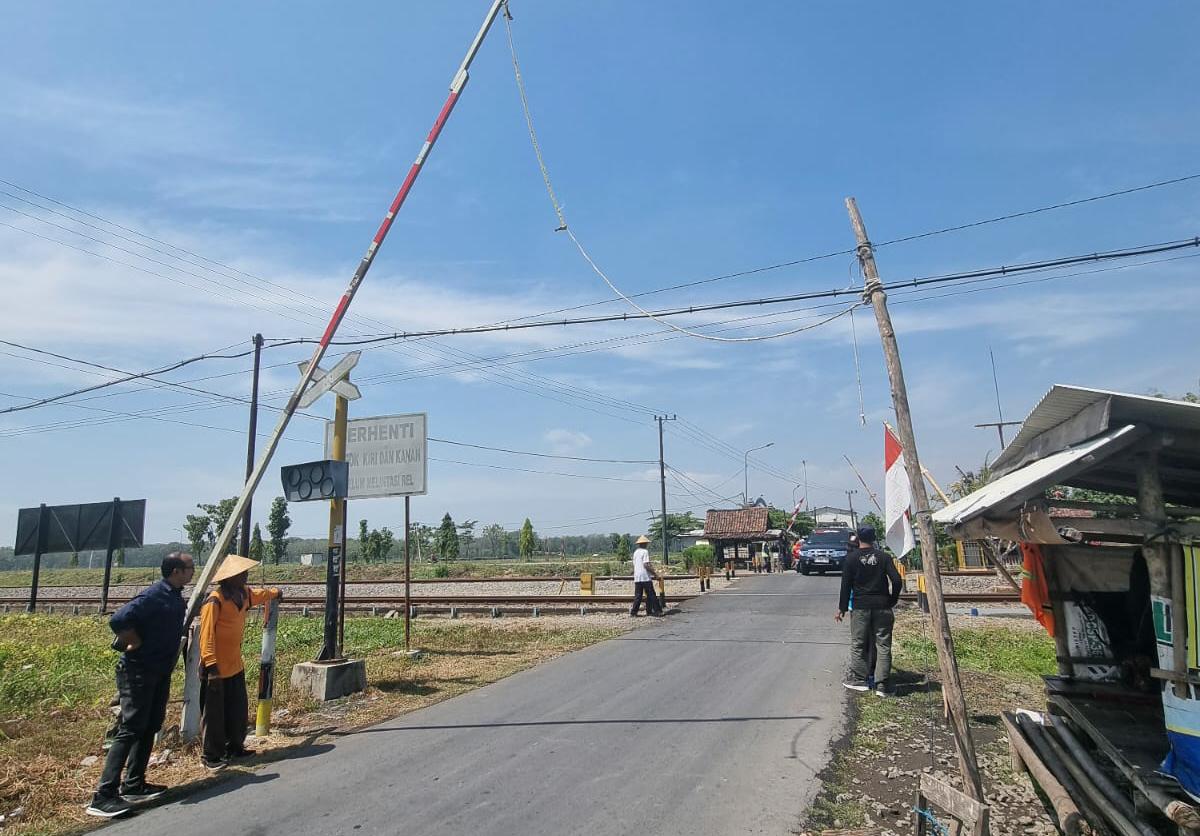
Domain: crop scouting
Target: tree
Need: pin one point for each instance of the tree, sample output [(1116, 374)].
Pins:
[(256, 544), (875, 521), (466, 536), (198, 529), (496, 537), (447, 539), (74, 561), (218, 516), (278, 523), (423, 539), (386, 541), (119, 557), (676, 524), (614, 543), (527, 539), (623, 548), (363, 535), (970, 481)]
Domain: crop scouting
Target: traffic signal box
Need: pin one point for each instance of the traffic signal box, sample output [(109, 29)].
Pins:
[(315, 480)]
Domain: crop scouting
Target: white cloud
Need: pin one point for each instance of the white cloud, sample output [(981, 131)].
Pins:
[(566, 442)]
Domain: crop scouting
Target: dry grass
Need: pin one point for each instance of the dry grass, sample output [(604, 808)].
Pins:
[(47, 729)]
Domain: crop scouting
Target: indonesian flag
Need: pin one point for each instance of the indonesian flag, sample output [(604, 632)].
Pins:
[(897, 495)]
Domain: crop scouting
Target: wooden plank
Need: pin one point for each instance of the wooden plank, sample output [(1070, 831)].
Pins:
[(960, 805)]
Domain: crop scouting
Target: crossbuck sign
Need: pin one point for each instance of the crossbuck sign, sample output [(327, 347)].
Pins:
[(387, 455)]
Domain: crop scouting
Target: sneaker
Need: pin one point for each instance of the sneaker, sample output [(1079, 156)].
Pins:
[(146, 792), (109, 808), (213, 766), (882, 691), (856, 686)]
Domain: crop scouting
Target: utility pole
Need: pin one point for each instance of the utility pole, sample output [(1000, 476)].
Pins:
[(244, 538), (662, 483), (807, 501), (850, 501), (951, 683)]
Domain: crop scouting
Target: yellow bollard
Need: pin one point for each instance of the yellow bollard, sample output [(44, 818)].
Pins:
[(587, 583)]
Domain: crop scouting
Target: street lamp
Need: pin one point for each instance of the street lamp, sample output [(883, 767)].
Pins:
[(746, 471)]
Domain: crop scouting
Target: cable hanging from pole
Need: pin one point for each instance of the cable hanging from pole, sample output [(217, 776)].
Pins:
[(563, 226)]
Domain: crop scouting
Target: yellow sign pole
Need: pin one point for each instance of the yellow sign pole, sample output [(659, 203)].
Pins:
[(335, 560)]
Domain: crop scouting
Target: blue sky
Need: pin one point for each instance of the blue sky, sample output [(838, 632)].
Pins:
[(684, 143)]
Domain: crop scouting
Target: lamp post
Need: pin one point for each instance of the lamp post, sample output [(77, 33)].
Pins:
[(746, 471), (804, 464)]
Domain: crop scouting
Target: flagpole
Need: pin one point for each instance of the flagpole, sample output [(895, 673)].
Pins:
[(951, 681)]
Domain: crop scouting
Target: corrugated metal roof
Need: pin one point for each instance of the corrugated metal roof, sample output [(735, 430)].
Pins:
[(1062, 403), (736, 523), (1007, 493)]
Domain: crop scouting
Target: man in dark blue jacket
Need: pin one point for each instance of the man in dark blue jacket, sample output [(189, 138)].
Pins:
[(148, 631), (872, 577)]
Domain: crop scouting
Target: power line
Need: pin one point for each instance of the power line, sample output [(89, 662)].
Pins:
[(543, 455)]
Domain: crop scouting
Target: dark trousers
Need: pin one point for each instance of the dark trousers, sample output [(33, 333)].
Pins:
[(645, 588), (143, 695), (223, 720), (871, 645)]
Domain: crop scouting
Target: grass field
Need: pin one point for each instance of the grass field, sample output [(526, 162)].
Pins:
[(294, 572), (56, 681)]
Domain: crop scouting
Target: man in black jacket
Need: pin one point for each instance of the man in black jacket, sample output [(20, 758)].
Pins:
[(148, 630), (871, 587)]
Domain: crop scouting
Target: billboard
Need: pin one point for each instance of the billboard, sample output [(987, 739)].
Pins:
[(387, 455), (75, 528)]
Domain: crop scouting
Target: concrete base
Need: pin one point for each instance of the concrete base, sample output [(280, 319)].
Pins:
[(330, 680), (415, 653)]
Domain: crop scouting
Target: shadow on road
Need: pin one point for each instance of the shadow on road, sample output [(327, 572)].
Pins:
[(632, 721)]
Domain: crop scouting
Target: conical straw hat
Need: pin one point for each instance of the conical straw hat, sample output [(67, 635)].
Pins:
[(233, 564)]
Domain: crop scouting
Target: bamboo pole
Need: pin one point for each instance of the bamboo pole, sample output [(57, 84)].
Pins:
[(1070, 820), (951, 682)]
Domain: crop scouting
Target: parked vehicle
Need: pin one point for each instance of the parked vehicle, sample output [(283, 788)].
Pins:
[(824, 550)]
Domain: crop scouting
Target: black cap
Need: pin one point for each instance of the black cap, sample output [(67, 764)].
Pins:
[(866, 534)]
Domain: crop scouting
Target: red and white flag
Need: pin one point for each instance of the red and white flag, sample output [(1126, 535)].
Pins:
[(795, 513), (897, 495)]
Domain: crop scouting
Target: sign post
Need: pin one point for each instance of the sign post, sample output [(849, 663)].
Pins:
[(387, 456), (336, 380)]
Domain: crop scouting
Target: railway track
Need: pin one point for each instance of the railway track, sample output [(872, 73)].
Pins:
[(483, 602)]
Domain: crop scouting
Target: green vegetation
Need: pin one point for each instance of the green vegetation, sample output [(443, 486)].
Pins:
[(527, 540), (695, 556), (278, 523), (447, 539), (1019, 654)]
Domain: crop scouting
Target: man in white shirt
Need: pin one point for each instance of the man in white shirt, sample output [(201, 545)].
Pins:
[(643, 583)]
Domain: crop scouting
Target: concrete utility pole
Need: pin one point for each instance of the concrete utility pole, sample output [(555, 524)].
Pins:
[(850, 501), (951, 683), (252, 432), (662, 482)]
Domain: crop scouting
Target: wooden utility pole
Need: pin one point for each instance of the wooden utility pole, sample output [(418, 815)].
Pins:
[(951, 683)]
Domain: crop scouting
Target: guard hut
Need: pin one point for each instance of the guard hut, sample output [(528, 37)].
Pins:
[(732, 531), (1116, 583)]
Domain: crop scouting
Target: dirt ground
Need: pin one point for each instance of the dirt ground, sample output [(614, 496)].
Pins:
[(872, 780)]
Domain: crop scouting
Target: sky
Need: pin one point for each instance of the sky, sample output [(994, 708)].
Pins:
[(234, 162)]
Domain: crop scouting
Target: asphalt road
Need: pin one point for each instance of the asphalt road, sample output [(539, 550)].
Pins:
[(713, 721)]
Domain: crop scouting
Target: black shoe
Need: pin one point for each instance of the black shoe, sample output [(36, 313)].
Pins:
[(146, 792), (108, 808), (213, 766), (238, 754)]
